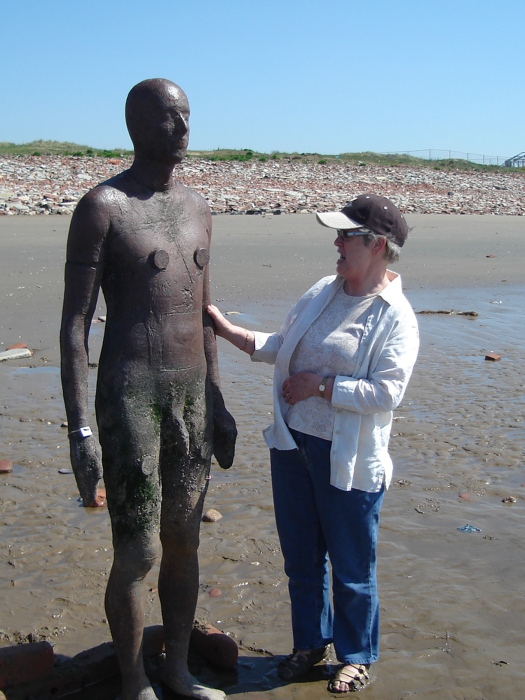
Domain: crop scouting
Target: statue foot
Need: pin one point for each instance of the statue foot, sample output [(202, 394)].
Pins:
[(185, 684), (145, 692)]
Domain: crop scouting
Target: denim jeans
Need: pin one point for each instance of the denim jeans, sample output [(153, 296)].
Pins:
[(317, 521)]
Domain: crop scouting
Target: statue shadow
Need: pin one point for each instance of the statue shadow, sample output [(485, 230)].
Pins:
[(255, 673)]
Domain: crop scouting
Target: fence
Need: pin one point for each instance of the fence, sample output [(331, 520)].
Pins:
[(441, 154)]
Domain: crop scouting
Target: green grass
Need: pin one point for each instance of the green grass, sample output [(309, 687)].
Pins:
[(58, 148)]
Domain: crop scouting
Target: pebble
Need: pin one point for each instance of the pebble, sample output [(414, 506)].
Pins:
[(211, 516), (43, 185), (6, 466), (215, 593)]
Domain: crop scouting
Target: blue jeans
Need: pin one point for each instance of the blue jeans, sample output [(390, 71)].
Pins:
[(315, 521)]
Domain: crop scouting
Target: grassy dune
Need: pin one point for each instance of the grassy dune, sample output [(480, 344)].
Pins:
[(64, 148)]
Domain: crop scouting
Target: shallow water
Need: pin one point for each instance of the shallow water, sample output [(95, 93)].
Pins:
[(452, 603)]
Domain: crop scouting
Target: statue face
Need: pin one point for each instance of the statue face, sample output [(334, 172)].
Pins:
[(172, 132), (158, 121)]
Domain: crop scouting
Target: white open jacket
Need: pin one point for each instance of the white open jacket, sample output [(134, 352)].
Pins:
[(363, 402)]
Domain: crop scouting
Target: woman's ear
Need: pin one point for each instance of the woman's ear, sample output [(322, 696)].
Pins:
[(379, 245)]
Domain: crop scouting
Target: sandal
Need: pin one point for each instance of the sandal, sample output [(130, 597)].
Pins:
[(300, 662), (355, 676)]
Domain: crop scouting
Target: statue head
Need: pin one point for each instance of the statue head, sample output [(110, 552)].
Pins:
[(157, 117)]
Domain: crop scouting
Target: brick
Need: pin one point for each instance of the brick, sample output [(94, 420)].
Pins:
[(493, 356), (25, 662), (6, 466), (214, 646)]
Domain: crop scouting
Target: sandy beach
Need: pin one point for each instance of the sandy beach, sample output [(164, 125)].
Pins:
[(452, 603)]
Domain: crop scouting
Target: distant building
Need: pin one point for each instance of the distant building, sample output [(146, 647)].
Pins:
[(516, 161)]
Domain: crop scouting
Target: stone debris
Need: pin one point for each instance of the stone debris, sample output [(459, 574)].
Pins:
[(15, 354), (6, 466), (211, 516), (214, 646), (31, 185)]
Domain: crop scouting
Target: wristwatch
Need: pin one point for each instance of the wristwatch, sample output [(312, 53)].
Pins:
[(322, 386)]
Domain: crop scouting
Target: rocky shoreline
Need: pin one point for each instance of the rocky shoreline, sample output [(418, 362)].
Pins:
[(34, 185)]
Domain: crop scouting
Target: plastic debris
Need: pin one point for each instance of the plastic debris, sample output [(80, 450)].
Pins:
[(468, 528)]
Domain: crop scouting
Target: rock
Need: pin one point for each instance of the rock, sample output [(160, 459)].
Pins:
[(6, 466), (215, 593), (286, 185), (211, 516)]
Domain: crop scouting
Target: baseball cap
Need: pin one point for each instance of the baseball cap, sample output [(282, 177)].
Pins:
[(370, 211)]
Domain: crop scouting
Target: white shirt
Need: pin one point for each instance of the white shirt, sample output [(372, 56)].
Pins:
[(329, 347), (363, 402)]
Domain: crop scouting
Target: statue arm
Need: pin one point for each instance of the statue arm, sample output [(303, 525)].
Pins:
[(224, 428), (82, 283)]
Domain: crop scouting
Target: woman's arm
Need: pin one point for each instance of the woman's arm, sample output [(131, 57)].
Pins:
[(387, 380), (236, 335)]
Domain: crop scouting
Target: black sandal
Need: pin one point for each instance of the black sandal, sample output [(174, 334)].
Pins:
[(300, 662)]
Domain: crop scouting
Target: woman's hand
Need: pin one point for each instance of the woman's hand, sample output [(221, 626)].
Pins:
[(302, 385), (222, 325), (236, 335)]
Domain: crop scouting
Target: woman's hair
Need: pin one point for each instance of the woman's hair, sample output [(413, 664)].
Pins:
[(392, 250)]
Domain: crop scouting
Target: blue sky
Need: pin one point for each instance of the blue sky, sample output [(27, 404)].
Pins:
[(326, 76)]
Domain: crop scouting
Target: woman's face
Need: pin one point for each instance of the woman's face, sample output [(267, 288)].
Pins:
[(354, 256)]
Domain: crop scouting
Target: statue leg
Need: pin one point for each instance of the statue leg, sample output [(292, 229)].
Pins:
[(184, 484), (125, 596), (130, 454)]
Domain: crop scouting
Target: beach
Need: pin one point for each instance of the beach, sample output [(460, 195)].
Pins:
[(452, 603)]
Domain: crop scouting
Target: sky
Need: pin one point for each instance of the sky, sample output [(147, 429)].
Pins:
[(306, 76)]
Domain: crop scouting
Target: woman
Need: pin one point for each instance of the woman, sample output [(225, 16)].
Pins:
[(343, 358)]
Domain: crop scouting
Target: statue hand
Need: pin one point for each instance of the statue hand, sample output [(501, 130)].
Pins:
[(224, 437), (87, 467)]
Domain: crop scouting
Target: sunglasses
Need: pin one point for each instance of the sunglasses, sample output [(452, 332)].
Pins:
[(347, 234)]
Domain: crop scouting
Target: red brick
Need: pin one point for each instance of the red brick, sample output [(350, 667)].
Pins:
[(215, 646), (6, 466), (25, 662)]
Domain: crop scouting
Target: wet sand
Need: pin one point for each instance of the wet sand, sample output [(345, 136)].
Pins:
[(453, 610)]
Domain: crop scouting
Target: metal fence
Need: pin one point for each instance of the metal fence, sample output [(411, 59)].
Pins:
[(442, 154)]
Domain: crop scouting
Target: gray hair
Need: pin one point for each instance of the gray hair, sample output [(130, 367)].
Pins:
[(392, 250)]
